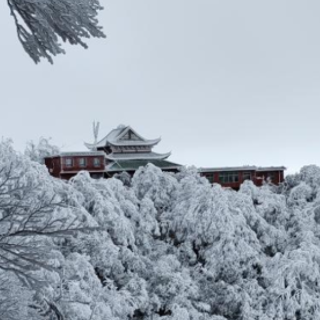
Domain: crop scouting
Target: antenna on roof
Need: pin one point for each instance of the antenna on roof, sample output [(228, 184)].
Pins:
[(95, 126)]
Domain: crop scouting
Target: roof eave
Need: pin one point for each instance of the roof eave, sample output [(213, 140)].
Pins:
[(249, 168), (135, 169), (261, 169), (135, 143), (136, 156)]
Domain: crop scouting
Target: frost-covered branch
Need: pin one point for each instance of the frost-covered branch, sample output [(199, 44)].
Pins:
[(37, 214), (41, 24)]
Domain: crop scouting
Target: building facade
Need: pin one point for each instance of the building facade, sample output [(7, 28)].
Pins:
[(67, 164), (122, 150), (233, 177)]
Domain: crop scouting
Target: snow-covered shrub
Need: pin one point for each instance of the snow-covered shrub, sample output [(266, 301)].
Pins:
[(162, 247)]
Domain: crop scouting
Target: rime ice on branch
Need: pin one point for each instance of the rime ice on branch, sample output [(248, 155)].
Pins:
[(42, 23)]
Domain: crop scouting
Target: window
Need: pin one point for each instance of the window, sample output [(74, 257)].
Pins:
[(82, 162), (69, 162), (210, 178), (96, 162), (228, 177), (246, 176)]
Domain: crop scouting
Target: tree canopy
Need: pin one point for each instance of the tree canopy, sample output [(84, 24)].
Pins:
[(159, 246), (42, 24)]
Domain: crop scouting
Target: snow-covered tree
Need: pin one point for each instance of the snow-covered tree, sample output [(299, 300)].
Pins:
[(35, 210), (168, 247), (41, 24), (38, 151)]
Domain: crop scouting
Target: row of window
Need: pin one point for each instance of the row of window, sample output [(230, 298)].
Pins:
[(82, 162), (233, 177), (230, 177)]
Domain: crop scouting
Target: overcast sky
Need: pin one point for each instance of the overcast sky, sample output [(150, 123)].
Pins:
[(224, 83)]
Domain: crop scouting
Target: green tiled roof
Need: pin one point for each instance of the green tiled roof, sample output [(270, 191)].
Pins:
[(132, 165)]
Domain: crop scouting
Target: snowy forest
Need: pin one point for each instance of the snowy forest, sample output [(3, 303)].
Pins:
[(158, 246)]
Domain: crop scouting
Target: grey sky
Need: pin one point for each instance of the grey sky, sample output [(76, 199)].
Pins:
[(222, 82)]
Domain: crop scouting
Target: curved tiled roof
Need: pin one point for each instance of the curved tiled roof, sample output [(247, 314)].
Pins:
[(137, 156), (243, 168), (133, 165), (115, 138)]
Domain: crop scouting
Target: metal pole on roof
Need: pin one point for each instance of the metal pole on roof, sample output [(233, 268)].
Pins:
[(95, 133)]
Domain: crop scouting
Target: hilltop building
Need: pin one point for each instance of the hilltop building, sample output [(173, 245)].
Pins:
[(123, 149), (233, 177), (126, 150)]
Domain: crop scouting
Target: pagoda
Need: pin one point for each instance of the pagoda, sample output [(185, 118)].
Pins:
[(126, 150)]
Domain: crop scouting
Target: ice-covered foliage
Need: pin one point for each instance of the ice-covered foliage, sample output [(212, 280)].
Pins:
[(38, 151), (35, 212), (41, 24), (202, 252), (168, 247)]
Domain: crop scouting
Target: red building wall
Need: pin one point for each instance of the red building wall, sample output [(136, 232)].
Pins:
[(76, 166), (257, 177), (214, 177), (58, 167), (54, 166), (276, 177)]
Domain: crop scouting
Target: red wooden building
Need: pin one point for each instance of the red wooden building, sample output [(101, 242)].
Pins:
[(67, 164), (233, 177), (123, 149)]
